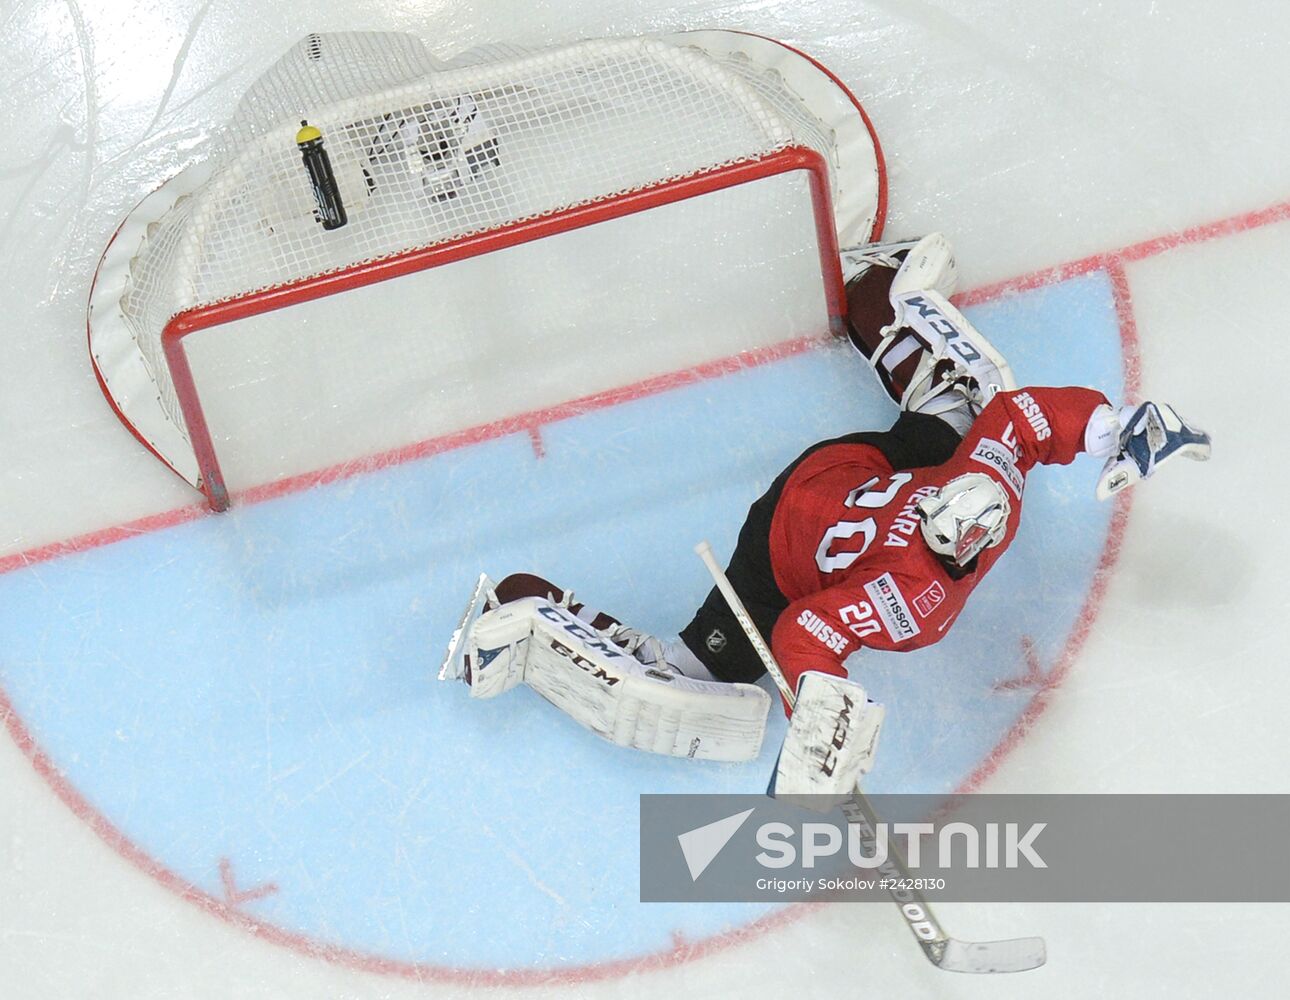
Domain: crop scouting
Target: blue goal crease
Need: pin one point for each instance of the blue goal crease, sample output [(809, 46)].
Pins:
[(259, 686)]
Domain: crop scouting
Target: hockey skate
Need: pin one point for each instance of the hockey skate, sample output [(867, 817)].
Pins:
[(456, 664)]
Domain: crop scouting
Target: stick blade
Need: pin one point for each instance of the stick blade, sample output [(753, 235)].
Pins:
[(1017, 955)]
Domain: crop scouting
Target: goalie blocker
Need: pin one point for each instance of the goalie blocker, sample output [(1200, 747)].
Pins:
[(536, 641), (831, 742)]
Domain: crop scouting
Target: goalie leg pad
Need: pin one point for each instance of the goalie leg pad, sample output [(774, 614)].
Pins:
[(949, 334), (831, 741), (489, 647), (647, 708), (929, 266), (498, 649)]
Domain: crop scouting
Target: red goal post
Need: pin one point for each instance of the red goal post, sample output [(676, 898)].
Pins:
[(440, 163)]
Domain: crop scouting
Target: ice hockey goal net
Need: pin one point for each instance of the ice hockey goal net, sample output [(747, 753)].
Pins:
[(242, 341)]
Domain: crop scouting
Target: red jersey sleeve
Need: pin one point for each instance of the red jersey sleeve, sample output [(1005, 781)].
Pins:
[(810, 636), (820, 631), (1042, 426)]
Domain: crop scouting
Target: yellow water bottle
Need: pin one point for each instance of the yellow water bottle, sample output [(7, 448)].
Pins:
[(331, 210)]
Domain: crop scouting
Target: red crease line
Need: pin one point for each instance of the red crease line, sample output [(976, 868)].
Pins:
[(1232, 226), (115, 840)]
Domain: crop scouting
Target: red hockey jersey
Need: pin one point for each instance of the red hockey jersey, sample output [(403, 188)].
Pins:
[(847, 549)]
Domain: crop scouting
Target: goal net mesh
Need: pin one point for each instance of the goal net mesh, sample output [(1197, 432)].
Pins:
[(427, 151)]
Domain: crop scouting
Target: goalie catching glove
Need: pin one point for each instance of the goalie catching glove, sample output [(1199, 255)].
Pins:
[(1145, 437), (599, 684)]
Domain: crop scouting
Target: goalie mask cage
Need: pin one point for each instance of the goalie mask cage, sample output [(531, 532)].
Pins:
[(243, 343)]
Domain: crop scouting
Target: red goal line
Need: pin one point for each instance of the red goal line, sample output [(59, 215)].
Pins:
[(1110, 261)]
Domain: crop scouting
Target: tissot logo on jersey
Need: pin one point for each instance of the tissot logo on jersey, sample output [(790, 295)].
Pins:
[(819, 628), (892, 609), (999, 457), (1034, 415)]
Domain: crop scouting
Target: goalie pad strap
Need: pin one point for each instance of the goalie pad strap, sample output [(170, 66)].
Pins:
[(947, 332)]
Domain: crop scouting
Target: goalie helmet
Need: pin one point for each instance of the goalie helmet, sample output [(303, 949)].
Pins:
[(966, 516)]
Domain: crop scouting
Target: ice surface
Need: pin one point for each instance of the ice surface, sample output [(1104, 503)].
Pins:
[(228, 771)]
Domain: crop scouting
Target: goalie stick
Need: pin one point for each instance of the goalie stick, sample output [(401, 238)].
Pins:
[(943, 951)]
